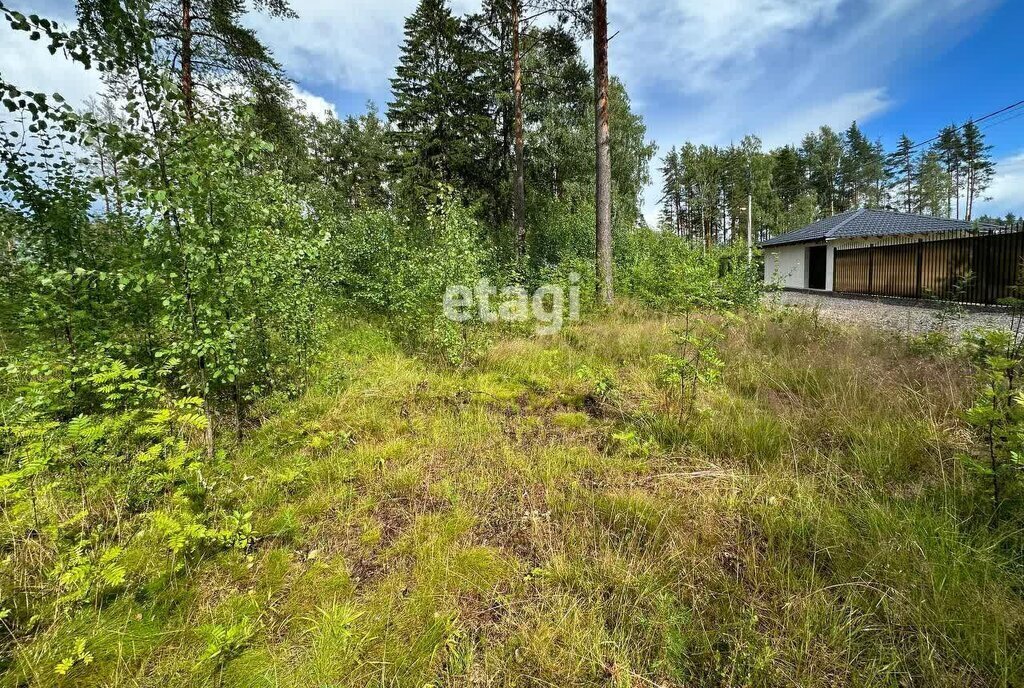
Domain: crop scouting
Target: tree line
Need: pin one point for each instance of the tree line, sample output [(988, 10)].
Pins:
[(499, 105), (705, 189)]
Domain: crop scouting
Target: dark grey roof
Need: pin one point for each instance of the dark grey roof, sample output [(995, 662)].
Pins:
[(868, 223)]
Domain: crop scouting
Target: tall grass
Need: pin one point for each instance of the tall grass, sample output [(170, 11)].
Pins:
[(544, 518)]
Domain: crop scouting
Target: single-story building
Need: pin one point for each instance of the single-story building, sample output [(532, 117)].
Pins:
[(806, 258)]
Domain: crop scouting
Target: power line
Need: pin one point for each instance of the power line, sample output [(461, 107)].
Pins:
[(1003, 120), (997, 112), (975, 121)]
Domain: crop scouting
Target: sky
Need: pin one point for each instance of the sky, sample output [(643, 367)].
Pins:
[(707, 71)]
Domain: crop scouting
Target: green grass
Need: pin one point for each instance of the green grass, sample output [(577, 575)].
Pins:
[(544, 518)]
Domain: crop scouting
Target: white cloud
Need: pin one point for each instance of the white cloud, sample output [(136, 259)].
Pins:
[(701, 46), (314, 104), (352, 45), (1007, 190), (712, 47), (835, 112), (346, 44)]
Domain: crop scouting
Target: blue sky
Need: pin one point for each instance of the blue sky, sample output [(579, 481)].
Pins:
[(708, 71)]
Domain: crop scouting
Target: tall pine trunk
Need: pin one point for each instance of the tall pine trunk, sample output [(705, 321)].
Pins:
[(517, 91), (957, 187), (970, 194), (603, 195)]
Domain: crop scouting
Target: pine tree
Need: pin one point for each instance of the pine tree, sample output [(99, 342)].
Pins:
[(602, 151), (505, 28), (950, 147), (977, 164), (901, 167), (857, 168), (876, 177), (933, 185), (703, 167), (205, 43), (823, 152)]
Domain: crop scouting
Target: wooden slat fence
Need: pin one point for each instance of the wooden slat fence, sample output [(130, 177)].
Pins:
[(981, 266)]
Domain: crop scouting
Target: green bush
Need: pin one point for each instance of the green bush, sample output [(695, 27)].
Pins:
[(672, 274), (385, 266)]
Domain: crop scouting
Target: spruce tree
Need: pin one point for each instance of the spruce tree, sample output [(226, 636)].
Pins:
[(901, 167), (439, 112), (788, 176)]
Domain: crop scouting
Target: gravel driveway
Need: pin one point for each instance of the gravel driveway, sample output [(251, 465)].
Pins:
[(909, 319)]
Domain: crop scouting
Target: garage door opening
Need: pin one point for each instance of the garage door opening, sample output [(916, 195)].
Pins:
[(816, 258)]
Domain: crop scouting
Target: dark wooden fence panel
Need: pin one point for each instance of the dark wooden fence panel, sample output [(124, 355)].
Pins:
[(970, 267)]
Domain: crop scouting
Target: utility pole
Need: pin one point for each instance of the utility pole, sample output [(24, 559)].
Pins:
[(750, 228), (750, 209)]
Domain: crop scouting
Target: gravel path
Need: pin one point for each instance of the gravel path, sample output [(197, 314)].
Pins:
[(909, 319)]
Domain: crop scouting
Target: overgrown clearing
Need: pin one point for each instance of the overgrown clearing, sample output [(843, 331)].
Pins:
[(550, 516), (275, 407)]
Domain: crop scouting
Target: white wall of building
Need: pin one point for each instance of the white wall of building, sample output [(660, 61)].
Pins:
[(786, 266), (830, 264)]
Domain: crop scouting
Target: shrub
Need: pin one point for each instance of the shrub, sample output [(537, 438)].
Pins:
[(672, 274), (385, 266), (997, 417)]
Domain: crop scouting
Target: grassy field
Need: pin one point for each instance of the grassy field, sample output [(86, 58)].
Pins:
[(556, 515)]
